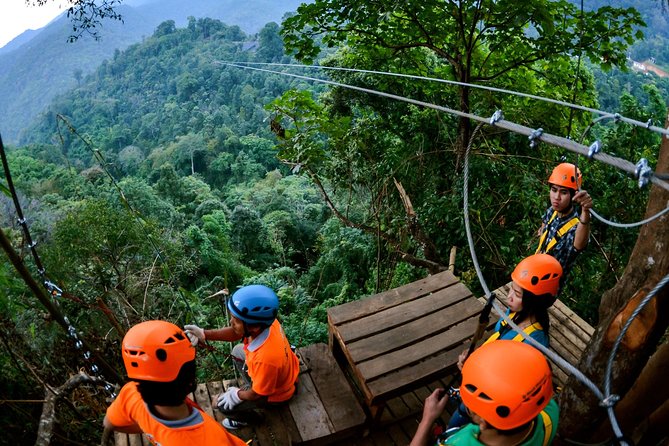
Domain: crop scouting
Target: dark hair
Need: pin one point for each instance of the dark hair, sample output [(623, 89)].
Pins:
[(537, 306), (171, 393)]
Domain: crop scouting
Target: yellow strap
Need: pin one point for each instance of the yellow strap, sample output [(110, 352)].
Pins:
[(560, 233), (548, 427), (528, 330), (518, 338)]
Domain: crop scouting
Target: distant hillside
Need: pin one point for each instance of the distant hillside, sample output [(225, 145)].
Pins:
[(38, 65)]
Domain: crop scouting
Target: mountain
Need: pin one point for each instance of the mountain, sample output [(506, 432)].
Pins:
[(38, 65)]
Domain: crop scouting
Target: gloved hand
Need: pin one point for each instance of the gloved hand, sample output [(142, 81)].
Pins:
[(229, 399), (195, 334)]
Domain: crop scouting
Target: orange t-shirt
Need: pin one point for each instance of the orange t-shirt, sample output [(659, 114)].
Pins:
[(197, 429), (273, 367)]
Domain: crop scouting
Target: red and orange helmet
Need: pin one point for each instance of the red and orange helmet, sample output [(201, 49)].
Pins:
[(155, 351), (506, 383), (538, 274), (566, 175)]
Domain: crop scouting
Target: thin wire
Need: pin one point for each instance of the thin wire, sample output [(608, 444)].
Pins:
[(465, 84), (628, 225), (558, 141)]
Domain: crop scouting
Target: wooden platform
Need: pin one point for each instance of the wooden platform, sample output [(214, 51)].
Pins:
[(404, 338), (323, 411)]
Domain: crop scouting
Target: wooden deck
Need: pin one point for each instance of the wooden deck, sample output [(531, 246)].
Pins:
[(330, 408)]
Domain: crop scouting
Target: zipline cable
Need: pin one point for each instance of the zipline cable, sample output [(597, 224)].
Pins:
[(647, 125), (558, 141)]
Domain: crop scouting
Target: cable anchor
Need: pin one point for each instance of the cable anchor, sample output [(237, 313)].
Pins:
[(594, 149), (496, 117), (536, 134), (609, 401), (643, 172), (53, 289)]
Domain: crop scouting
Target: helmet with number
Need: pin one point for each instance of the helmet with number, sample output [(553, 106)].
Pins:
[(538, 274), (155, 351), (507, 383), (566, 175), (254, 304)]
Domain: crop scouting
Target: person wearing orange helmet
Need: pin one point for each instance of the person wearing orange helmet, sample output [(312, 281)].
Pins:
[(564, 232), (534, 288), (510, 405), (160, 361)]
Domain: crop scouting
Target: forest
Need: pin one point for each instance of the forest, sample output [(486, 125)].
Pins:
[(167, 175)]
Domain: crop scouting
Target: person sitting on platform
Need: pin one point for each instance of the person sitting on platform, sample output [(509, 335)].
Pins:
[(265, 359), (160, 360), (509, 405), (534, 287)]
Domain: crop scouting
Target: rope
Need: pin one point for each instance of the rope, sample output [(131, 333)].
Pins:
[(645, 125), (554, 140)]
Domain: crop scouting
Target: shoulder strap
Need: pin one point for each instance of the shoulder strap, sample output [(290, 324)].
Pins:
[(561, 232), (542, 239), (496, 335), (528, 331), (548, 427)]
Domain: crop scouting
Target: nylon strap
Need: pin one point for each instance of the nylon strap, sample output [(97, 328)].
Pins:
[(548, 427), (560, 233), (518, 338)]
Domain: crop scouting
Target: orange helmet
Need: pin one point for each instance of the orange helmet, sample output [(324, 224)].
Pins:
[(538, 274), (507, 383), (155, 351), (563, 175)]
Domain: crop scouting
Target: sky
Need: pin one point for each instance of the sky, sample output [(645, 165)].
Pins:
[(16, 16)]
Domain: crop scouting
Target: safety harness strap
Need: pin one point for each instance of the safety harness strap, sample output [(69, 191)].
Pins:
[(558, 235), (548, 427), (518, 338)]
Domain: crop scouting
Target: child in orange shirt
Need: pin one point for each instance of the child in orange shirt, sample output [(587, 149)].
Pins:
[(265, 358)]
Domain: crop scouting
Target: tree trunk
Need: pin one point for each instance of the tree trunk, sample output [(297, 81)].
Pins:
[(648, 263)]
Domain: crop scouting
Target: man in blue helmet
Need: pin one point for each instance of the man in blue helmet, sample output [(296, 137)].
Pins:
[(264, 358)]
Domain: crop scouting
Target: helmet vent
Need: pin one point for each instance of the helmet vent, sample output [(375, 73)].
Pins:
[(503, 411), (161, 354), (534, 280), (546, 277), (134, 364), (179, 336), (483, 396), (540, 401), (255, 309), (472, 388), (170, 340)]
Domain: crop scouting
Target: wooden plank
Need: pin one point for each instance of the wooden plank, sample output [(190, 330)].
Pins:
[(202, 398), (583, 325), (289, 424), (215, 388), (427, 326), (418, 352), (415, 375), (337, 397), (120, 439), (384, 320), (368, 305), (135, 440), (569, 325), (564, 347), (310, 416)]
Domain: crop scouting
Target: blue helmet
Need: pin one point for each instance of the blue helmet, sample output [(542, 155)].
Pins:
[(254, 304)]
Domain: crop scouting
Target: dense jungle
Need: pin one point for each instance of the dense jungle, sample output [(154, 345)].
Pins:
[(167, 175)]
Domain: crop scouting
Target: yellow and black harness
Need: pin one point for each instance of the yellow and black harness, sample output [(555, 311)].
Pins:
[(518, 338), (564, 229)]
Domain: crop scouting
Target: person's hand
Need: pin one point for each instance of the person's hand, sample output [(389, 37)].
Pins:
[(583, 199), (462, 358), (435, 405), (229, 399), (195, 334)]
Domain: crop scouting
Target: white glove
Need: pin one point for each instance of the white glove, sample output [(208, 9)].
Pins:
[(229, 399), (195, 334)]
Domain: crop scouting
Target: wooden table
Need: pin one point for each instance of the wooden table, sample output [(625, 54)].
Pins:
[(404, 338)]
